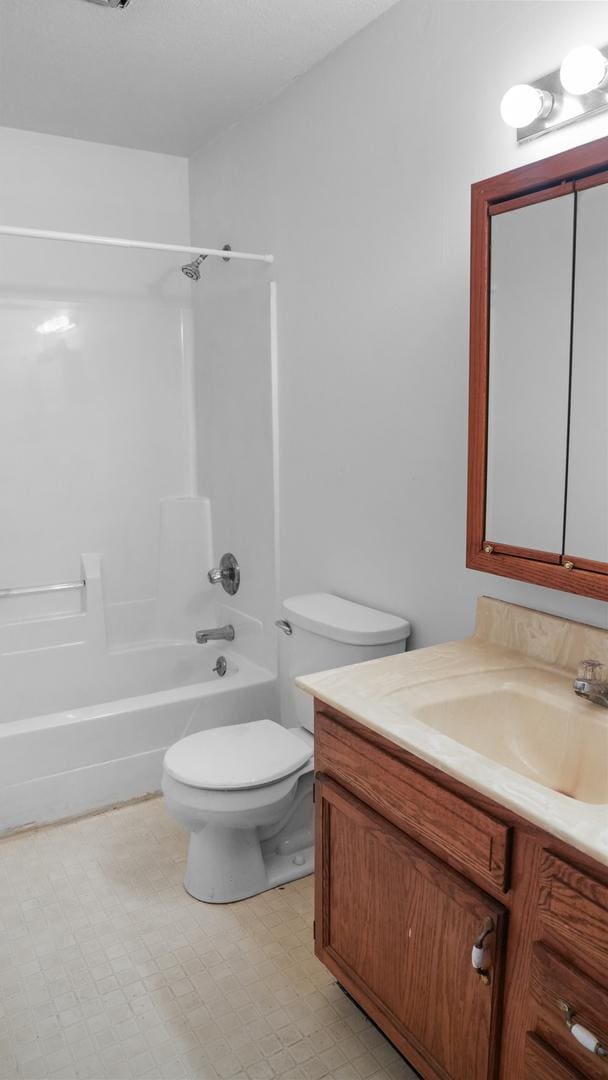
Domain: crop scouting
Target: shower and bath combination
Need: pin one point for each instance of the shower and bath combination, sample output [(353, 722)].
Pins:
[(100, 756)]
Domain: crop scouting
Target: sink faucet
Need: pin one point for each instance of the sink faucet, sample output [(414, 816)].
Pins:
[(592, 682), (217, 633)]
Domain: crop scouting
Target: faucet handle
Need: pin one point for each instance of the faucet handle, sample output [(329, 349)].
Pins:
[(592, 671)]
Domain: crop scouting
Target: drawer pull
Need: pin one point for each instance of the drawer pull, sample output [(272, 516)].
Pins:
[(582, 1035), (480, 956)]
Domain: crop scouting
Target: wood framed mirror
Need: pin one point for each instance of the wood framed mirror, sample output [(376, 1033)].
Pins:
[(538, 387)]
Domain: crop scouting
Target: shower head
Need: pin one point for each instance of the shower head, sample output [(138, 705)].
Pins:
[(192, 269)]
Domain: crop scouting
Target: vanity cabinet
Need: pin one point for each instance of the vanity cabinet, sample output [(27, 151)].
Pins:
[(401, 924), (413, 870)]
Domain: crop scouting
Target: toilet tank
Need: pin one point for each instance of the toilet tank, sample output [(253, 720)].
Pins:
[(329, 632)]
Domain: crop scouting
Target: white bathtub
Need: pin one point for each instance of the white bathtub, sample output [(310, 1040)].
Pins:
[(107, 725)]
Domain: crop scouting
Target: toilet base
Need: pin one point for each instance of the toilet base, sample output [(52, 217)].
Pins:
[(225, 865), (280, 869)]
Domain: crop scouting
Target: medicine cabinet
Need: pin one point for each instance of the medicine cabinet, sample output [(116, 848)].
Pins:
[(538, 407)]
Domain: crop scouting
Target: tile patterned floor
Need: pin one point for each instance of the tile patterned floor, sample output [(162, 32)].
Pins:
[(109, 969)]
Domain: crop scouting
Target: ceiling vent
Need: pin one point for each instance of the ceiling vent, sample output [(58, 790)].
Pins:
[(111, 3)]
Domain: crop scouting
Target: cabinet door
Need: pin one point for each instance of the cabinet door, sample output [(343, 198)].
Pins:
[(587, 493), (397, 926), (529, 372)]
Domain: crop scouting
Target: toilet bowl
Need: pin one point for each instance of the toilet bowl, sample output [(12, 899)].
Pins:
[(244, 791)]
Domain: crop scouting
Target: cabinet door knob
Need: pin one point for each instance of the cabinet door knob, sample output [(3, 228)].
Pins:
[(480, 956), (582, 1034)]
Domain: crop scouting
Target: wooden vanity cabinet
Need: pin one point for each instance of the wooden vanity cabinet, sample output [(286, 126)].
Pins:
[(398, 925), (401, 900)]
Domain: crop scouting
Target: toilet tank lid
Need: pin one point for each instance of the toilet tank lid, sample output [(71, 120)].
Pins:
[(342, 620)]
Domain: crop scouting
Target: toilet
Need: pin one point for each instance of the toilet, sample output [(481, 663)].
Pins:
[(244, 791)]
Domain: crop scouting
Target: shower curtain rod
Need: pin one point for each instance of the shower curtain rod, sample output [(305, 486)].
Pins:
[(115, 241)]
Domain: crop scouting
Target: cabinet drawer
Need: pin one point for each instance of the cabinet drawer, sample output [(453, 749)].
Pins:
[(553, 982), (542, 1063), (573, 915), (466, 837)]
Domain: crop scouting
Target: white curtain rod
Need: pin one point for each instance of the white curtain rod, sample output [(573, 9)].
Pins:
[(114, 241)]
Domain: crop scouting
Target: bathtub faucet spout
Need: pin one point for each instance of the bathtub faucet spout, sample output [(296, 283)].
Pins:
[(217, 633)]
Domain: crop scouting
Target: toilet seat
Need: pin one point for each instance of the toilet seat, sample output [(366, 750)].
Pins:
[(236, 757)]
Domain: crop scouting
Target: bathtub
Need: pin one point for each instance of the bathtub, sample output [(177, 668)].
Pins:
[(107, 725)]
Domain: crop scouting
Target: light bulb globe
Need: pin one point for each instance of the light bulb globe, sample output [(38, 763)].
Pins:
[(523, 104), (584, 69)]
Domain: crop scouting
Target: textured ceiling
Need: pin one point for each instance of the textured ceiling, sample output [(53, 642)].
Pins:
[(162, 75)]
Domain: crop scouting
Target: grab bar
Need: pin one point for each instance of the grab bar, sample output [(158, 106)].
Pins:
[(26, 590)]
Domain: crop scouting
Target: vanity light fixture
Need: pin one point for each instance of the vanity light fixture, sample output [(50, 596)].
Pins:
[(575, 90)]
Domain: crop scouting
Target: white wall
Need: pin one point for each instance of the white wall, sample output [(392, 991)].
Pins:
[(48, 182), (358, 179), (94, 422)]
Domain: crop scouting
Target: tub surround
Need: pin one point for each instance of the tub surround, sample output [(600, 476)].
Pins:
[(95, 690), (87, 758), (511, 647)]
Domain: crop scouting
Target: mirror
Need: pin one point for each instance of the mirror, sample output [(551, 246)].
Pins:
[(529, 374), (538, 406), (587, 504)]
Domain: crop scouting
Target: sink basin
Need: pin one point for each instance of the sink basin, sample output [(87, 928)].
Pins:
[(551, 738)]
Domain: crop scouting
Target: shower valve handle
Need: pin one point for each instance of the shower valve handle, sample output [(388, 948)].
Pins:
[(227, 574)]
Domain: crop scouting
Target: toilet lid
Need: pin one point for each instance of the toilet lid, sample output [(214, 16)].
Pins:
[(237, 756)]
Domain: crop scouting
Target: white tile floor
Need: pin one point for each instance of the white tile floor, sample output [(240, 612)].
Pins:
[(109, 969)]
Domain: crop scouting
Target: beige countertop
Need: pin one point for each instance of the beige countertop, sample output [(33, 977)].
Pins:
[(512, 648)]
